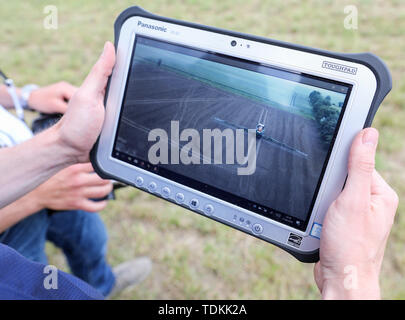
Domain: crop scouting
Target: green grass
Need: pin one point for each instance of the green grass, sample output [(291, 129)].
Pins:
[(193, 256)]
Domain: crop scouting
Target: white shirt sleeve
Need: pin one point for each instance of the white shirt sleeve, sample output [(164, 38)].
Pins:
[(12, 130)]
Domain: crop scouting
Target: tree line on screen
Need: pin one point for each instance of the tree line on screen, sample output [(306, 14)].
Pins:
[(326, 115)]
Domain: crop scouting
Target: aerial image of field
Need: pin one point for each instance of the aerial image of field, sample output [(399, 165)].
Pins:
[(167, 86)]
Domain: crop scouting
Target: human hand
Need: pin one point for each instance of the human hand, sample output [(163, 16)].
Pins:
[(64, 144), (53, 98), (72, 189), (356, 228), (80, 126)]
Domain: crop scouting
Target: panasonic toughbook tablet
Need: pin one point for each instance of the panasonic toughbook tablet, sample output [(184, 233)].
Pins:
[(248, 131)]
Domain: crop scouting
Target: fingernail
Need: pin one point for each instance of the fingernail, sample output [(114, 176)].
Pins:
[(370, 137)]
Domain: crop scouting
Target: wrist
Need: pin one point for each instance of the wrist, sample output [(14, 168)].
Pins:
[(69, 152), (353, 284), (35, 201), (26, 94)]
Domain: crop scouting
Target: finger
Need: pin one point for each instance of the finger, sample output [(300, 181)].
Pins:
[(60, 106), (87, 167), (378, 185), (92, 206), (92, 179), (318, 276), (67, 90), (97, 191), (84, 167), (361, 163), (96, 81), (382, 191)]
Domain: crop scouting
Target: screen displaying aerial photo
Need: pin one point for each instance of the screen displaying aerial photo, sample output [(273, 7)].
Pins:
[(293, 118)]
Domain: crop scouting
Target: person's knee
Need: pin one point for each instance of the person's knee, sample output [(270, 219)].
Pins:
[(79, 233)]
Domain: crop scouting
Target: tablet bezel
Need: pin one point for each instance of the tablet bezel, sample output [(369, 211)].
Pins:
[(310, 63)]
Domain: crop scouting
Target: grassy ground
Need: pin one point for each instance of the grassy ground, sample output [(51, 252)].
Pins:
[(194, 257)]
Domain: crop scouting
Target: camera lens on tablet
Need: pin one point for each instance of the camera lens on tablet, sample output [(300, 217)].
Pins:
[(233, 43)]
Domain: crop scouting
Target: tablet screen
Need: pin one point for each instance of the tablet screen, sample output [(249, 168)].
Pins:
[(251, 134)]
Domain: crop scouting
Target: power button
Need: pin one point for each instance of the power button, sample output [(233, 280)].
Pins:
[(257, 228)]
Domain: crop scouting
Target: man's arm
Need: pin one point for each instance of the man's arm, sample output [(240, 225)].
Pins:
[(70, 189), (18, 210), (5, 98), (24, 167), (49, 99), (27, 165)]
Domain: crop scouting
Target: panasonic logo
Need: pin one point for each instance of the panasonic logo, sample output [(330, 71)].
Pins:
[(339, 67), (151, 26)]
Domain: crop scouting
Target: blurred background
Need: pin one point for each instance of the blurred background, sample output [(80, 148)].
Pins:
[(195, 258)]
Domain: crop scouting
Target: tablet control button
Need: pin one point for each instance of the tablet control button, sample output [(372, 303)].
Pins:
[(257, 228), (139, 181), (209, 209), (180, 197), (194, 203), (166, 192), (152, 186)]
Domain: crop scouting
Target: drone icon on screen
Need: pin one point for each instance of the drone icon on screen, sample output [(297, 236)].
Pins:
[(259, 130)]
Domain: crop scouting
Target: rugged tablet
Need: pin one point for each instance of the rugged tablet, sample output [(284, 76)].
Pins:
[(248, 131)]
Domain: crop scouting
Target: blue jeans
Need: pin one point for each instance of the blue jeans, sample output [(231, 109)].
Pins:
[(81, 235)]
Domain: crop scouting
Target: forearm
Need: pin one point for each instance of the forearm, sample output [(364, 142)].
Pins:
[(18, 210), (5, 98), (32, 163)]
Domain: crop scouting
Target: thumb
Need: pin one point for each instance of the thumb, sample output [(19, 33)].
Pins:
[(96, 81), (362, 162)]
